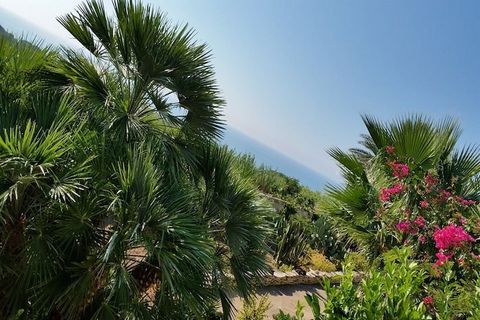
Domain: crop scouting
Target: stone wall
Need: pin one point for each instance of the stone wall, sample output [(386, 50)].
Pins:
[(312, 277)]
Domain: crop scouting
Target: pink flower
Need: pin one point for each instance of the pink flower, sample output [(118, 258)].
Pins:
[(397, 188), (430, 180), (390, 149), (428, 301), (464, 202), (420, 222), (424, 204), (442, 258), (444, 194), (422, 239), (386, 193), (450, 237), (400, 170), (403, 226), (406, 227), (468, 202)]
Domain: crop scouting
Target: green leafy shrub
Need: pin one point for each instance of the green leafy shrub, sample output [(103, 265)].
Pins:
[(255, 309), (291, 243), (394, 292), (474, 302), (286, 188), (453, 298), (299, 314), (399, 290), (269, 181), (285, 268), (317, 261), (324, 238), (314, 304), (283, 316), (357, 261)]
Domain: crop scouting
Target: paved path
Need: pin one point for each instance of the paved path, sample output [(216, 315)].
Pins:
[(285, 298)]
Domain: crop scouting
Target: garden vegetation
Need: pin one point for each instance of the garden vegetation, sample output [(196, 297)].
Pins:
[(118, 202), (410, 204), (115, 200)]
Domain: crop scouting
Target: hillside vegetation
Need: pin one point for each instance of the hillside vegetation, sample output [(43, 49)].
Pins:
[(117, 200)]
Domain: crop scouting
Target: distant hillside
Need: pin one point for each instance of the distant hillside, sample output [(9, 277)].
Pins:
[(18, 39), (24, 29), (5, 33), (275, 160)]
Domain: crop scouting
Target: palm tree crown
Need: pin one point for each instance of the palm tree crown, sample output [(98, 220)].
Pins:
[(115, 200), (422, 144)]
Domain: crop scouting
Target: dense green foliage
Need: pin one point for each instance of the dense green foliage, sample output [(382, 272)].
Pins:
[(296, 226), (393, 292), (425, 147), (255, 309), (115, 201), (395, 289), (410, 202), (289, 190)]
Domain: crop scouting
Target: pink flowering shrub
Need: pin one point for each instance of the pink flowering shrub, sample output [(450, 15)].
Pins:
[(428, 300), (442, 258), (419, 222), (428, 215), (424, 204), (424, 208), (444, 195), (386, 193), (400, 170), (405, 227), (451, 237), (464, 202), (390, 150), (430, 180)]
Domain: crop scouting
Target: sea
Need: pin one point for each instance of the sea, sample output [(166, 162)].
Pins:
[(275, 160)]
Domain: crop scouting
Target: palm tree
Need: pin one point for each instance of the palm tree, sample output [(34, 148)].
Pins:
[(115, 201), (424, 145), (144, 75), (237, 219)]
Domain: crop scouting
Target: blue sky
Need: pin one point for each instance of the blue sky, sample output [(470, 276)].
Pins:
[(298, 74)]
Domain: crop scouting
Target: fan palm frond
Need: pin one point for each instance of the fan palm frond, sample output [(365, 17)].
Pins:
[(144, 67), (416, 140)]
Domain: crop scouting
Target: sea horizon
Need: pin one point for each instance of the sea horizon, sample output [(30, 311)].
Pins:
[(278, 161)]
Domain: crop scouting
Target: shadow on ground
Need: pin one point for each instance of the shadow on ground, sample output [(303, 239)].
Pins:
[(285, 298)]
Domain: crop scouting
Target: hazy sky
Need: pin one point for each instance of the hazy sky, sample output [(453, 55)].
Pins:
[(298, 74)]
